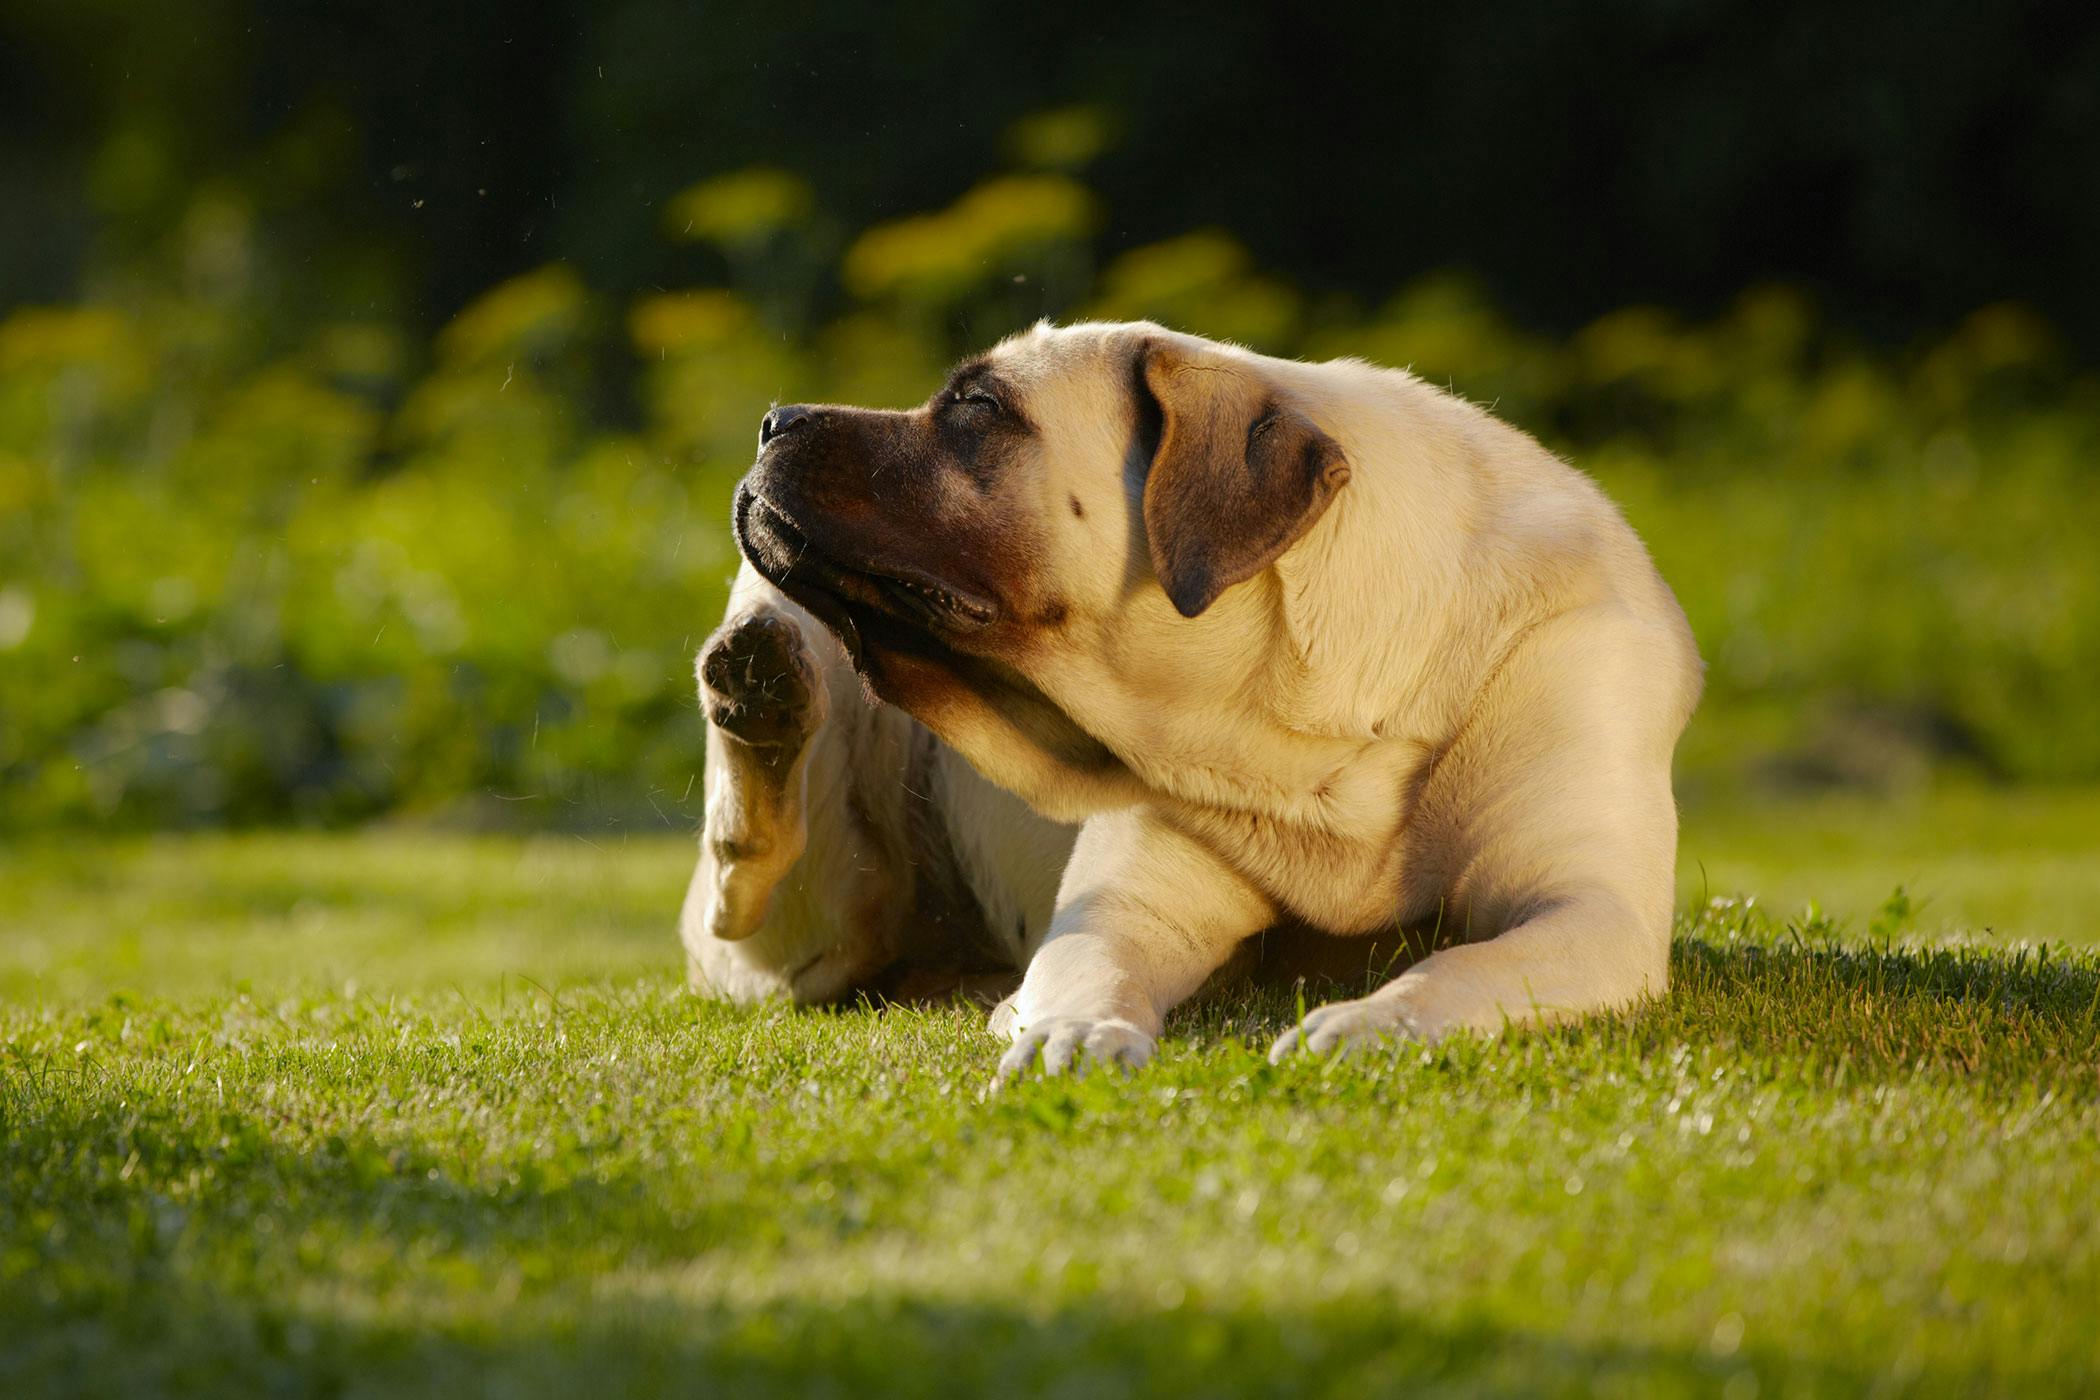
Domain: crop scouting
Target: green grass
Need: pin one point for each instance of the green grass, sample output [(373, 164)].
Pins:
[(414, 1114), (1987, 866)]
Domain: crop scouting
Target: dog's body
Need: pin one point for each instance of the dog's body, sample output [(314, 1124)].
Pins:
[(1289, 642)]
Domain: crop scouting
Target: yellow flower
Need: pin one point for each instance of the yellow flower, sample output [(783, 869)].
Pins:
[(677, 321), (946, 252), (740, 207)]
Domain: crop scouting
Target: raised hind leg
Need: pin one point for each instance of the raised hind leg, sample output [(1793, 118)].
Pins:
[(759, 689), (752, 920), (844, 849)]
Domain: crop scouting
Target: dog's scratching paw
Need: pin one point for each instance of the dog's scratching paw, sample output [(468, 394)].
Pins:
[(1068, 1044), (757, 682), (1344, 1026)]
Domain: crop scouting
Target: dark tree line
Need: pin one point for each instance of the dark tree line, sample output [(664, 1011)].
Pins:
[(1906, 159)]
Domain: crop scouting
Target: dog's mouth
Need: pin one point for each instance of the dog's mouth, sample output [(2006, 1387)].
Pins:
[(834, 588), (882, 612)]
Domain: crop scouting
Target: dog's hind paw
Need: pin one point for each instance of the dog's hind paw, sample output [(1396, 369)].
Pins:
[(758, 683)]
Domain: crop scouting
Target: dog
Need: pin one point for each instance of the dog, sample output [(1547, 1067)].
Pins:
[(1128, 645)]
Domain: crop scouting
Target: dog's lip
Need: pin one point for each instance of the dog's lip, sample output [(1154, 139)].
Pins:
[(935, 603)]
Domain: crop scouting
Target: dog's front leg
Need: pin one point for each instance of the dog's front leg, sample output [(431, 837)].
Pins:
[(1144, 915)]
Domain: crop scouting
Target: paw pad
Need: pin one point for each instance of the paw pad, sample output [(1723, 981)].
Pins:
[(757, 682)]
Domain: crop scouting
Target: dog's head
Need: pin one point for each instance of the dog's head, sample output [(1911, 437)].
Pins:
[(1047, 543)]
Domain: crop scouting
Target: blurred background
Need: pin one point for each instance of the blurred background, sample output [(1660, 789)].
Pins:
[(373, 376)]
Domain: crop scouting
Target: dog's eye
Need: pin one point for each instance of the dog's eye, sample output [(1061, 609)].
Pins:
[(977, 398)]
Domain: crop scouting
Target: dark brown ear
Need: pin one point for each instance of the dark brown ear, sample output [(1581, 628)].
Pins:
[(1238, 476)]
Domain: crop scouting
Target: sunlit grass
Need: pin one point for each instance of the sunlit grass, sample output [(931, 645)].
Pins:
[(414, 1114), (1991, 866), (385, 911)]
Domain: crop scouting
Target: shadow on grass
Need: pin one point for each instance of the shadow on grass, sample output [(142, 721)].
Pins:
[(355, 1268), (2011, 1020), (174, 1338)]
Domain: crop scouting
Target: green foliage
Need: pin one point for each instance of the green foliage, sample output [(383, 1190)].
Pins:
[(252, 571), (396, 1114)]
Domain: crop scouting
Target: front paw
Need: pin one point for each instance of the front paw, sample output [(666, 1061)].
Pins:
[(1064, 1043), (1343, 1026)]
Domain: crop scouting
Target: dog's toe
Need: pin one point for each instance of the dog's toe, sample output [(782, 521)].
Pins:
[(1070, 1044), (1343, 1026), (1003, 1018), (1115, 1043)]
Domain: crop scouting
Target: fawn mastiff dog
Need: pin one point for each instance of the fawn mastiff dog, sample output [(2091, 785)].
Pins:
[(1126, 646)]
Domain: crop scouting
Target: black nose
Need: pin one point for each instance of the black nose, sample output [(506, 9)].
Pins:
[(784, 419)]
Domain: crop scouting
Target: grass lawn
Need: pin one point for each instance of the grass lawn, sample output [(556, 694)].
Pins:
[(404, 1113)]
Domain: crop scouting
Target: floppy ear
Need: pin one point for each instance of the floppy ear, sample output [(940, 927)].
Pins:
[(1238, 477)]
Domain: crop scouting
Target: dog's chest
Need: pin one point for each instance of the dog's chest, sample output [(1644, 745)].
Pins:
[(1332, 852)]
